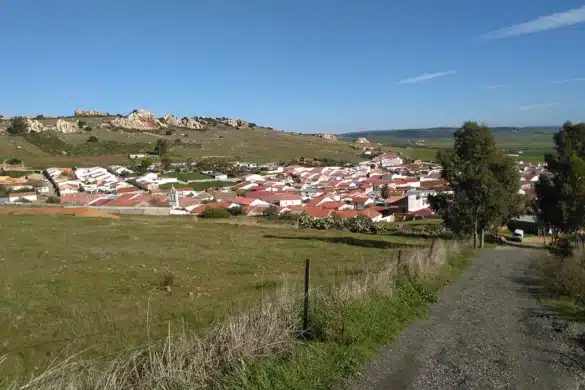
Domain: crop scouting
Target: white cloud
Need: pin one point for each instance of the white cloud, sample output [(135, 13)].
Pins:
[(538, 106), (426, 76), (542, 23), (574, 80), (496, 86)]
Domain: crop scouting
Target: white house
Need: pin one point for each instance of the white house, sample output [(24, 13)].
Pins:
[(44, 189), (16, 197), (287, 199), (220, 176), (390, 160), (254, 178)]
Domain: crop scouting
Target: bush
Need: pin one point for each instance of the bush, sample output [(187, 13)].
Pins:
[(53, 200), (169, 132), (88, 128), (17, 126), (39, 117), (271, 212), (214, 213), (564, 277), (14, 161), (93, 139), (178, 141), (82, 124), (238, 210)]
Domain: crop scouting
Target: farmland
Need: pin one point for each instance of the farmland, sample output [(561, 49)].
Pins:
[(72, 283), (530, 144)]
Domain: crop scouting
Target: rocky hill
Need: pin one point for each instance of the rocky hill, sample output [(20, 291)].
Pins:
[(91, 137), (137, 120)]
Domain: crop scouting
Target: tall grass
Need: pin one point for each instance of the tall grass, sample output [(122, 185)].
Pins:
[(260, 348)]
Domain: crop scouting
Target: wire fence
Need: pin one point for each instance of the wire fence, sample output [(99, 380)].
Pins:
[(230, 307)]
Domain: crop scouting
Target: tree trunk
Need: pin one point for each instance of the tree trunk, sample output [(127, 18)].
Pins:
[(481, 238)]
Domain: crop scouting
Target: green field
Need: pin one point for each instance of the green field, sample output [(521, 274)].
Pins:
[(72, 283), (186, 176), (529, 145)]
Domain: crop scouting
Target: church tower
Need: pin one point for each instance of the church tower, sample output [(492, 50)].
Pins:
[(173, 198)]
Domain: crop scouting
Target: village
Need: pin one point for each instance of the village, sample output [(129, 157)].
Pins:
[(384, 188)]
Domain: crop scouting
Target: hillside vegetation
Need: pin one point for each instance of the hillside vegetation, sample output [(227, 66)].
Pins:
[(254, 144)]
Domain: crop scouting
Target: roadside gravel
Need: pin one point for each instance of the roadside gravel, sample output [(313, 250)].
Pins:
[(488, 331)]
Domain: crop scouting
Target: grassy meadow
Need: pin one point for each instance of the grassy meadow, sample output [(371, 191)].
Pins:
[(72, 284)]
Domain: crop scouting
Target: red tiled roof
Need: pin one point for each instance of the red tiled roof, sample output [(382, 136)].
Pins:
[(345, 214), (316, 200), (122, 202), (405, 180), (81, 198), (317, 212), (284, 196), (125, 190), (422, 213), (258, 194), (370, 212), (332, 205), (243, 200)]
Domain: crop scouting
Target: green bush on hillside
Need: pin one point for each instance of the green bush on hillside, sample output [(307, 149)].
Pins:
[(17, 126), (215, 213)]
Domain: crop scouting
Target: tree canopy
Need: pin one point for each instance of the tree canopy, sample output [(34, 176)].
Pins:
[(561, 190), (485, 184), (162, 147)]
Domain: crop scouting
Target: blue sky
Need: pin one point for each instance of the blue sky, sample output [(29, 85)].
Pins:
[(320, 65)]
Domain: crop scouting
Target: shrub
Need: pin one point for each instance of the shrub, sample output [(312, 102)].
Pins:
[(168, 280), (82, 124), (169, 132), (178, 141), (14, 161), (564, 277), (39, 117), (53, 200), (271, 212), (214, 213), (17, 126), (93, 139), (238, 210), (88, 128)]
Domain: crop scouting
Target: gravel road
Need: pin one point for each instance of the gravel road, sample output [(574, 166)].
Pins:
[(487, 332)]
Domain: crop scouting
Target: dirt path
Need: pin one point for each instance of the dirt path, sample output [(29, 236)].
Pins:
[(487, 332)]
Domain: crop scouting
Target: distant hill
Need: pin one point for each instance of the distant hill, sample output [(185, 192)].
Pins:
[(447, 132)]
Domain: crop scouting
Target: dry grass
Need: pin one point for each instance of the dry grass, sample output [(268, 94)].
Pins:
[(185, 360)]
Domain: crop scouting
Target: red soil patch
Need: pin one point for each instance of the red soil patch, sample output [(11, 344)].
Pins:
[(77, 211)]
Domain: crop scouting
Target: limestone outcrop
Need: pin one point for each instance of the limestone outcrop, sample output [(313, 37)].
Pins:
[(66, 127), (327, 136), (362, 140), (34, 126), (140, 120), (81, 112), (185, 122)]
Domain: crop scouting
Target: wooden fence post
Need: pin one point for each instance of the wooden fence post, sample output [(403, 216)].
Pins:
[(306, 303)]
